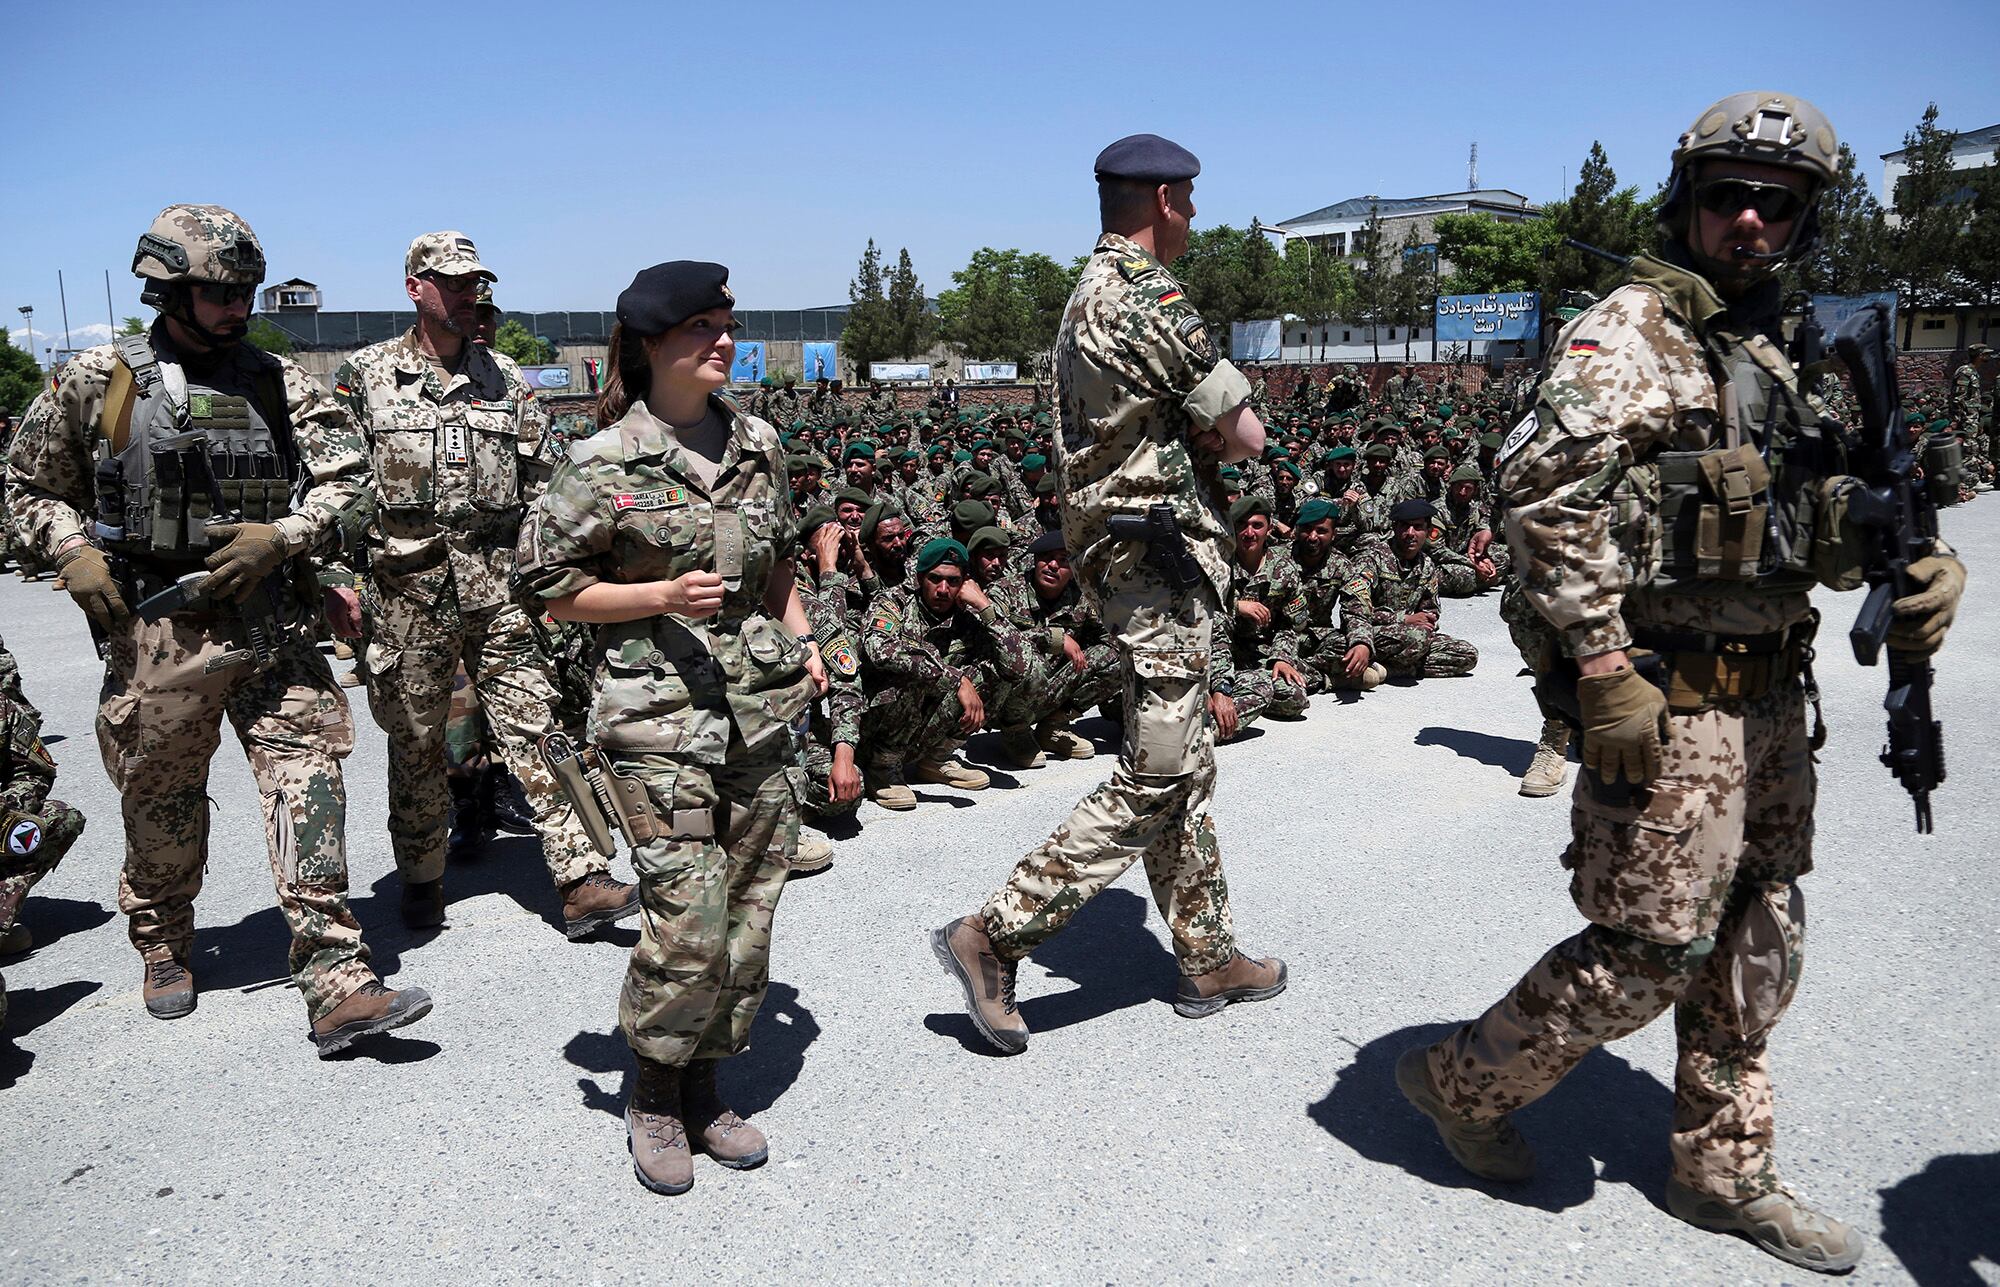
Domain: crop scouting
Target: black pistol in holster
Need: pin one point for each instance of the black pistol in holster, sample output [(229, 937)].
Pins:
[(602, 797), (1166, 545)]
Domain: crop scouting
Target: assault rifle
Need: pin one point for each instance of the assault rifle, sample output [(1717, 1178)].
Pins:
[(1900, 519)]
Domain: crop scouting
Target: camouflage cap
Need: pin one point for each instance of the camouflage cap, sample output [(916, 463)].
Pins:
[(199, 244), (449, 253)]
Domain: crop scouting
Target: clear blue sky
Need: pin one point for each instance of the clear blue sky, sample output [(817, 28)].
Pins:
[(577, 144)]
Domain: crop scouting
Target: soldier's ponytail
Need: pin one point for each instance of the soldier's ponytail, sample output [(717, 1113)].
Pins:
[(629, 378)]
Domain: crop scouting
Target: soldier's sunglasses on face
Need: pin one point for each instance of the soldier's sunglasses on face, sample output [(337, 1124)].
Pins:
[(224, 294), (1773, 202)]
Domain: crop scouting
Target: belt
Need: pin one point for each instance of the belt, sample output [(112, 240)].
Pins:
[(1704, 641)]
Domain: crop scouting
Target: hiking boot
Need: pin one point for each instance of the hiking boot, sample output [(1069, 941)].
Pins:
[(1243, 979), (965, 952), (503, 804), (17, 940), (594, 901), (350, 678), (169, 986), (946, 771), (885, 786), (1063, 742), (814, 854), (1550, 768), (1780, 1223), (470, 832), (423, 903), (653, 1130), (1374, 677), (343, 650), (1491, 1149), (1021, 748), (714, 1126), (369, 1009)]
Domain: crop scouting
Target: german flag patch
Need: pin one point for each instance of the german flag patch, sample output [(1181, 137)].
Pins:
[(1170, 297), (1583, 346), (342, 391)]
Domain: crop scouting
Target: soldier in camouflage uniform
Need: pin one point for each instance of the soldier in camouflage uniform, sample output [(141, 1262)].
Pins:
[(456, 441), (671, 530), (138, 428), (1267, 607), (833, 735), (37, 831), (1462, 537), (1389, 606), (1322, 572), (1972, 406), (1694, 819), (1148, 412), (1079, 661)]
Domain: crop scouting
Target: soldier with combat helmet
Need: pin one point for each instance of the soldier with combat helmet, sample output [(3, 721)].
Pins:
[(186, 467), (1693, 821)]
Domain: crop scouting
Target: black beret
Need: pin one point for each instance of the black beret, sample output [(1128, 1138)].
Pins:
[(1414, 510), (665, 295), (1147, 157), (1048, 542)]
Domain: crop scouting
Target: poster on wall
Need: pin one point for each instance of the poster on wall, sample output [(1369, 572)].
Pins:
[(899, 371), (820, 360), (1259, 341), (1509, 315), (1831, 310), (748, 368), (992, 371), (546, 377)]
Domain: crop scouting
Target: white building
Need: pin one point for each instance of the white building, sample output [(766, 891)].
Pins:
[(1971, 150), (1332, 228)]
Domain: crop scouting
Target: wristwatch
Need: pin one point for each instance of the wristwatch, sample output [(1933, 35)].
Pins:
[(808, 637)]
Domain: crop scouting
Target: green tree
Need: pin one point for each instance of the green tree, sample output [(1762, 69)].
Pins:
[(1232, 275), (1598, 213), (1850, 256), (518, 342), (265, 335), (20, 378), (1005, 305), (1374, 277), (132, 326), (870, 332), (1930, 221), (912, 326), (1488, 255), (1319, 289), (1411, 295)]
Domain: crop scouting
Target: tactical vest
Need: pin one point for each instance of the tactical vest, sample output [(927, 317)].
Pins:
[(1744, 511), (195, 453)]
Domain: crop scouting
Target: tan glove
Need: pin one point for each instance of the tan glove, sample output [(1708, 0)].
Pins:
[(1622, 714), (88, 577), (1922, 618), (250, 552)]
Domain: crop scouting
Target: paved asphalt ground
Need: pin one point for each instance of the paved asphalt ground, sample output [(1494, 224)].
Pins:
[(1379, 846)]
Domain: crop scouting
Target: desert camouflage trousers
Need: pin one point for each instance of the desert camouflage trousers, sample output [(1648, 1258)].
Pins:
[(167, 687), (1415, 653), (707, 894), (413, 652), (1692, 902), (1155, 808)]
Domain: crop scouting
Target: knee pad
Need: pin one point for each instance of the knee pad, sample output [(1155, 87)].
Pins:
[(1764, 943)]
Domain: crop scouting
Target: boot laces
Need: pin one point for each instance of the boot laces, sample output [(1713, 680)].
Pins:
[(664, 1132), (165, 971), (1008, 970)]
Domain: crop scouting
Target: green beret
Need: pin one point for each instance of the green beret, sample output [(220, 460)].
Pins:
[(1034, 460), (797, 464), (1013, 435), (982, 444), (971, 515), (1286, 466), (938, 449), (1317, 510), (815, 517), (1229, 474), (961, 457), (1437, 453), (1466, 474), (977, 485), (854, 494), (1251, 504), (1046, 487), (865, 450), (1940, 424), (1445, 410), (1042, 419), (1492, 440), (941, 549), (984, 537), (1342, 452), (1380, 451), (907, 454)]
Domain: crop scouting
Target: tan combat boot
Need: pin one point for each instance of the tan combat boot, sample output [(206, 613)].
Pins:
[(653, 1130), (814, 854), (1550, 768), (169, 985), (1061, 741), (350, 679), (1780, 1223), (965, 952), (884, 784), (1489, 1148), (591, 902), (1374, 677), (343, 650), (1021, 747), (714, 1126), (941, 769), (1243, 979), (369, 1009)]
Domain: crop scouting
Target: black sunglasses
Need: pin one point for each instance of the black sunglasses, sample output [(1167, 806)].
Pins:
[(222, 295), (1773, 202)]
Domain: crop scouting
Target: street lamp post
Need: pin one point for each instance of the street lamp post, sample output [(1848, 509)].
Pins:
[(28, 312)]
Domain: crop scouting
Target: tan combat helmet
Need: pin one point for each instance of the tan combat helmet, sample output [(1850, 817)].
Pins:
[(199, 244), (1772, 129)]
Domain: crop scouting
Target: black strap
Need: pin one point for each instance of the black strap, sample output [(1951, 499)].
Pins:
[(1703, 641)]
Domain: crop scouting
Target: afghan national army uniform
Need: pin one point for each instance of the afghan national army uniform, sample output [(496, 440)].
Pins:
[(456, 457), (836, 721), (1322, 647), (912, 662), (1972, 409), (1382, 589), (1254, 649), (35, 831)]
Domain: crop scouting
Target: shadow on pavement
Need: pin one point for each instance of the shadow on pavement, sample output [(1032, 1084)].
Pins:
[(1606, 1109), (56, 918), (27, 1010), (1509, 753), (1945, 1217), (1106, 950), (751, 1082)]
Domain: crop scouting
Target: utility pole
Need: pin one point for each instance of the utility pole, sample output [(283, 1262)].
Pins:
[(110, 314)]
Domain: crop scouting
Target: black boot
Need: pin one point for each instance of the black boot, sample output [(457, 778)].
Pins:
[(505, 806), (470, 830)]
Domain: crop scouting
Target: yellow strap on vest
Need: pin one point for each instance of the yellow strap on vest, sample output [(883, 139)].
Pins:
[(114, 424)]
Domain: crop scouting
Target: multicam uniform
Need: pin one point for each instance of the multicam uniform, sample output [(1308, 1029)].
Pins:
[(169, 684), (1690, 884), (1136, 374), (702, 712)]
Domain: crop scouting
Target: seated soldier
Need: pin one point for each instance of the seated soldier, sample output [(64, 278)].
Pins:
[(921, 654), (1462, 538), (38, 830), (1389, 606), (1322, 570), (1076, 662), (885, 544), (1012, 705), (831, 750), (1263, 624)]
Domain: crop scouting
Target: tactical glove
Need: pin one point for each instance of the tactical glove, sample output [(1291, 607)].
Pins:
[(88, 577), (1922, 618), (252, 551), (1622, 714)]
